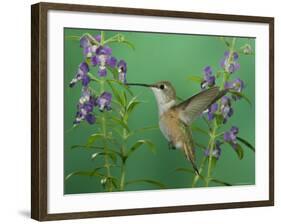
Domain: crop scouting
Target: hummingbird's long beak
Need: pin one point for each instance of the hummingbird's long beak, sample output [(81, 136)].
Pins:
[(140, 84)]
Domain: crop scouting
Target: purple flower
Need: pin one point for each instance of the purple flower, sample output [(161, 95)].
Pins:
[(102, 59), (209, 80), (122, 71), (237, 85), (226, 109), (85, 107), (211, 111), (216, 151), (82, 74), (104, 101), (89, 49), (231, 136), (230, 62)]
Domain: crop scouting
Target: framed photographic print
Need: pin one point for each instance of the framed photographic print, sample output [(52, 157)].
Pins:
[(139, 111)]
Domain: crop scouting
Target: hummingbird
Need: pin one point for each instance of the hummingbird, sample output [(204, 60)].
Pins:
[(175, 119)]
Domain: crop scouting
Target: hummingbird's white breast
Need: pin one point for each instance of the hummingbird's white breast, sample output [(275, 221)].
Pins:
[(163, 102)]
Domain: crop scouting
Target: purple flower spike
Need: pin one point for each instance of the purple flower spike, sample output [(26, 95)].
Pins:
[(90, 118), (226, 109), (211, 111), (98, 38), (234, 130), (102, 59), (111, 62), (85, 107), (82, 74), (104, 101), (104, 50), (122, 71), (235, 56), (216, 151), (208, 71), (209, 80), (231, 136), (95, 60), (84, 67), (89, 49), (237, 85), (84, 42), (226, 54), (230, 62)]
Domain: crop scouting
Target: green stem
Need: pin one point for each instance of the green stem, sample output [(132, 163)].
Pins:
[(123, 164), (123, 175), (111, 39), (102, 34), (214, 129), (92, 39), (104, 131), (210, 157)]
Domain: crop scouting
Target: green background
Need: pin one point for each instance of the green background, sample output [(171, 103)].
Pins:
[(157, 57)]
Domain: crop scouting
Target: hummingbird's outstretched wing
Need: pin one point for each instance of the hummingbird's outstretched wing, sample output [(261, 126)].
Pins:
[(193, 107)]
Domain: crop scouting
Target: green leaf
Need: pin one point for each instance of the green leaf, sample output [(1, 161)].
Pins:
[(85, 173), (154, 127), (123, 98), (226, 42), (116, 93), (111, 155), (114, 181), (194, 78), (72, 37), (245, 142), (119, 38), (114, 72), (138, 144), (220, 182), (242, 96), (239, 151), (86, 147), (132, 104), (121, 123), (129, 44), (153, 182), (198, 129), (92, 139), (150, 128), (121, 84), (185, 170)]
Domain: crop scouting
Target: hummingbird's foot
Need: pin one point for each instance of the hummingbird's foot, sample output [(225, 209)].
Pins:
[(171, 146)]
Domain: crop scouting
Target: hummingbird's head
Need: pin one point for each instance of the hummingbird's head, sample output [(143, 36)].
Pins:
[(164, 92)]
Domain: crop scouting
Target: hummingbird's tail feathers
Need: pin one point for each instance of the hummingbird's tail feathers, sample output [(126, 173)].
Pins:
[(195, 168)]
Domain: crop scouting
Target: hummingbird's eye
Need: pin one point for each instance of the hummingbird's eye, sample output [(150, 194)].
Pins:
[(162, 86)]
